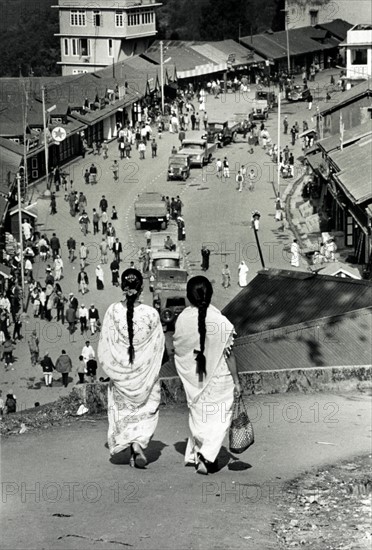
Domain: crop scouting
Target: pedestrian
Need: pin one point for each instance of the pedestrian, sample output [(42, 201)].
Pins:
[(71, 247), (48, 367), (95, 220), (87, 176), (8, 348), (53, 204), (2, 404), (297, 130), (114, 267), (93, 318), (205, 120), (81, 370), (58, 268), (84, 222), (181, 228), (33, 344), (117, 249), (115, 170), (121, 149), (142, 150), (64, 366), (181, 135), (10, 406), (93, 173), (83, 318), (252, 179), (60, 306), (295, 254), (100, 281), (133, 365), (285, 125), (88, 353), (219, 168), (92, 369), (83, 281), (104, 221), (71, 318), (83, 255), (114, 214), (239, 181), (205, 253), (226, 169), (193, 120), (105, 149), (214, 360), (310, 101), (243, 273), (226, 277), (55, 246), (127, 149), (103, 247), (111, 233), (154, 148), (293, 135)]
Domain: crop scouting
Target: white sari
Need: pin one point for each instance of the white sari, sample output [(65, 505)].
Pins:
[(210, 401), (134, 389), (243, 272)]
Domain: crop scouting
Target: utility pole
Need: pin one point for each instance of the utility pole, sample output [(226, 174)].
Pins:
[(25, 168), (18, 177), (45, 136), (255, 226), (279, 123), (162, 75)]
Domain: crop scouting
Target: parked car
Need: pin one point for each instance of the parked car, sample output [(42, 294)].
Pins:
[(200, 151), (150, 208), (178, 167), (298, 93), (223, 132), (260, 109), (270, 97)]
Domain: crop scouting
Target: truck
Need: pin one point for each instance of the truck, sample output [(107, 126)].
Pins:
[(150, 209), (199, 150), (224, 132), (169, 278), (260, 109), (269, 96), (178, 167)]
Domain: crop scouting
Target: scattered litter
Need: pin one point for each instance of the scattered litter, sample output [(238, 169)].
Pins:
[(82, 410), (23, 429), (326, 443), (62, 515)]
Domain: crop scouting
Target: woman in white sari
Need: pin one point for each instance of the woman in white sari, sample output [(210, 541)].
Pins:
[(206, 365), (243, 273), (130, 350)]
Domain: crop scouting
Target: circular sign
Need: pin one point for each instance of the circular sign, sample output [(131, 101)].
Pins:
[(59, 134)]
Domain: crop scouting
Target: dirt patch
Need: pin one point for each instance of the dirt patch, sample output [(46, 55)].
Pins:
[(328, 509)]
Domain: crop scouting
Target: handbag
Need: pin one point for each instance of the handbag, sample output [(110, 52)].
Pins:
[(241, 434)]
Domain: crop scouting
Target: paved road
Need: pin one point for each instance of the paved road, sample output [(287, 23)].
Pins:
[(214, 212), (80, 499)]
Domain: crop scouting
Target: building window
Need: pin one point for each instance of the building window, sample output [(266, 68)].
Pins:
[(97, 18), (314, 17), (84, 46), (134, 18), (74, 46), (119, 19), (109, 44), (79, 71), (77, 18), (65, 46), (359, 57)]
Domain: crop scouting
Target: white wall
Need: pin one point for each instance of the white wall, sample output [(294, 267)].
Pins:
[(353, 11)]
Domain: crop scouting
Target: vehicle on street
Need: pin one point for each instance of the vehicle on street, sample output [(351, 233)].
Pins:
[(269, 96), (260, 109), (170, 278), (298, 93), (150, 209), (178, 167), (199, 150), (224, 132)]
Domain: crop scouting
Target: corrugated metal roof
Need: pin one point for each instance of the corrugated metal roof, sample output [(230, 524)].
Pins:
[(353, 134), (361, 89), (355, 169), (180, 53), (301, 41), (339, 341), (337, 27), (277, 298), (315, 160)]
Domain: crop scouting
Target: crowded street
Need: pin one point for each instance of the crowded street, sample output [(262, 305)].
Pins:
[(215, 213)]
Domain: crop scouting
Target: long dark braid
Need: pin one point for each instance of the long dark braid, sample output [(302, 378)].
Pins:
[(130, 311), (199, 294), (131, 284)]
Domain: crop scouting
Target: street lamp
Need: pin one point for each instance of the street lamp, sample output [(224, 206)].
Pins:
[(256, 215), (18, 178)]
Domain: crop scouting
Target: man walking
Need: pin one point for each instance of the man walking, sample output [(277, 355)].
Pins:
[(226, 169), (93, 318), (55, 246), (48, 368), (71, 247), (33, 344), (111, 233), (93, 173), (205, 252), (114, 267), (103, 247), (115, 170), (83, 281), (83, 255), (83, 318), (95, 219), (117, 249), (64, 366)]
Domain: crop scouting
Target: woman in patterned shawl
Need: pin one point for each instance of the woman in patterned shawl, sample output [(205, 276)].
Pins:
[(130, 350)]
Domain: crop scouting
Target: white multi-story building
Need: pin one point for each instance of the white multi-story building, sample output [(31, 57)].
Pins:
[(302, 13), (358, 48), (97, 33)]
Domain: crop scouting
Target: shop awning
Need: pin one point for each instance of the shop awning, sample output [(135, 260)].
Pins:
[(315, 160)]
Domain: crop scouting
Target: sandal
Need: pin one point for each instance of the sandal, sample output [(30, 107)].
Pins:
[(140, 461), (202, 466)]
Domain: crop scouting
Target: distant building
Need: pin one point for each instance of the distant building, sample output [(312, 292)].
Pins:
[(301, 13), (95, 34), (358, 47)]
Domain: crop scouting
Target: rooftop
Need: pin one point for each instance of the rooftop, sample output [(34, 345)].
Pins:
[(359, 90)]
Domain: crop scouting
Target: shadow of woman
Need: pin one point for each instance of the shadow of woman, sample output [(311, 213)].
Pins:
[(153, 453), (225, 458)]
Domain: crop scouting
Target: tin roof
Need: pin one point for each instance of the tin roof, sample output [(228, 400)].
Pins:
[(359, 90), (353, 134), (337, 27), (278, 299)]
